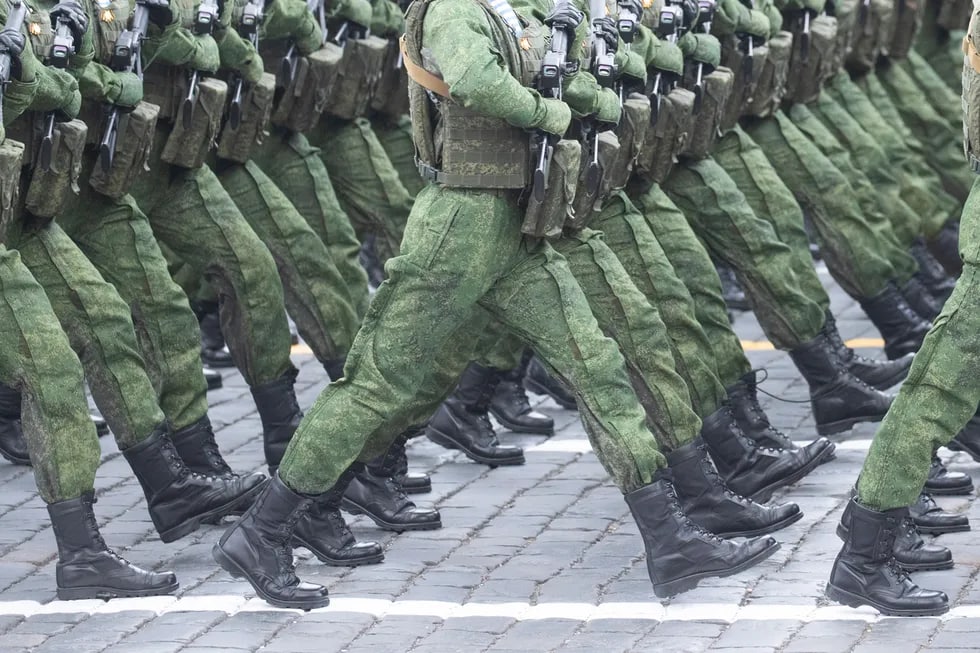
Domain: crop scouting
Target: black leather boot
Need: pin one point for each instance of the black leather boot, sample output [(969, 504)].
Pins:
[(386, 504), (394, 463), (509, 404), (180, 500), (710, 504), (753, 471), (462, 421), (197, 448), (13, 445), (335, 368), (880, 375), (212, 377), (731, 289), (214, 353), (838, 398), (901, 327), (539, 381), (101, 426), (920, 299), (968, 439), (911, 551), (945, 246), (866, 573), (324, 532), (943, 482), (87, 568), (743, 397), (258, 547), (930, 519), (931, 272), (280, 415), (679, 552)]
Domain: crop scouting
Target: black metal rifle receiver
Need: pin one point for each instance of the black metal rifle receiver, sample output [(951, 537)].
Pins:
[(62, 48), (553, 68), (248, 27), (17, 12)]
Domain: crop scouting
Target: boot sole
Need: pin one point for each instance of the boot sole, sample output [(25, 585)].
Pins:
[(106, 593), (674, 587), (533, 386), (924, 566), (765, 530), (950, 491), (841, 426), (355, 509), (425, 489), (232, 568), (444, 440), (855, 601), (337, 562), (195, 522), (942, 530), (518, 428), (15, 460), (763, 495)]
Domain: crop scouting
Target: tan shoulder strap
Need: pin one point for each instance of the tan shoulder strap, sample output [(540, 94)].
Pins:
[(969, 49), (420, 75)]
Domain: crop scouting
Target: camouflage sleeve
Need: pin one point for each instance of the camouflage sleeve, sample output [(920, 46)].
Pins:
[(457, 40), (660, 54), (769, 8), (356, 11), (238, 54), (387, 18), (177, 46), (585, 97), (57, 90), (292, 18), (17, 97)]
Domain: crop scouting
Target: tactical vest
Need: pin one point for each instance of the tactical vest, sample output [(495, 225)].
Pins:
[(808, 74), (748, 71), (666, 139), (358, 76), (771, 83), (456, 146), (871, 35), (716, 88), (300, 101), (971, 95)]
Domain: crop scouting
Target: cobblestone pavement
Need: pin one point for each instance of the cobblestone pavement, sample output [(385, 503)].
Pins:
[(541, 557)]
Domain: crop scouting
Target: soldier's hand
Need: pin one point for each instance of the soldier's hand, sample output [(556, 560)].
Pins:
[(814, 6), (667, 57), (74, 14), (125, 90), (12, 42), (754, 23), (702, 48), (609, 109), (565, 17), (556, 116), (160, 12), (605, 29)]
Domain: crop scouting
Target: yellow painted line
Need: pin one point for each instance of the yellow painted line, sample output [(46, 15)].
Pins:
[(854, 343)]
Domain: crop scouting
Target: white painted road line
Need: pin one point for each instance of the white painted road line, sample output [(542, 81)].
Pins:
[(580, 445)]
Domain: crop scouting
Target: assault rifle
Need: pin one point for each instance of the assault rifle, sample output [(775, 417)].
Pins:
[(252, 16), (125, 58), (670, 27), (17, 12), (603, 68), (287, 67), (626, 23), (205, 21), (61, 50), (553, 69), (706, 13)]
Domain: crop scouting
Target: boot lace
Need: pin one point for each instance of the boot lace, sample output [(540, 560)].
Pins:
[(715, 478), (514, 393), (183, 471), (676, 506)]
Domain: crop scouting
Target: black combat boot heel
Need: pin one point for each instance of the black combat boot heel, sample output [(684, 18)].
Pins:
[(258, 547), (540, 382), (280, 415), (13, 445), (324, 531), (710, 504), (866, 573), (753, 471), (394, 463), (880, 375), (680, 553), (838, 398), (902, 328), (213, 350), (510, 404), (180, 500), (87, 568)]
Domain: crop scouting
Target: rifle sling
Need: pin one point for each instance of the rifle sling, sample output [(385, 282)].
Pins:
[(420, 75)]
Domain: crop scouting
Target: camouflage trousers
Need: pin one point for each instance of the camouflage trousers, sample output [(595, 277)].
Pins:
[(195, 217), (921, 186), (395, 137), (315, 293), (463, 251), (776, 280), (295, 166), (940, 394), (36, 359), (858, 255), (368, 185), (99, 327), (940, 48)]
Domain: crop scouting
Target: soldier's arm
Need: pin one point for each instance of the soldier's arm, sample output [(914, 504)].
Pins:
[(235, 52), (175, 45), (20, 92), (457, 39), (387, 18), (292, 19), (97, 81)]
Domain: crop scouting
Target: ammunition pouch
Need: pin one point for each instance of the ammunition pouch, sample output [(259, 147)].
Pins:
[(631, 132), (134, 141), (546, 218), (772, 77), (358, 76), (747, 72), (11, 161), (237, 144), (908, 18), (971, 99), (716, 88), (807, 74), (391, 95), (666, 139), (871, 37), (590, 197), (302, 100), (48, 189), (188, 147)]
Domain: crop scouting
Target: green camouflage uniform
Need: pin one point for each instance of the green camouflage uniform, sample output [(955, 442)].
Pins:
[(463, 249)]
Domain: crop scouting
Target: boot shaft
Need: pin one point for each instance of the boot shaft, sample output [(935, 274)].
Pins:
[(891, 313), (476, 387), (155, 462), (870, 534), (275, 513), (76, 530), (730, 449), (9, 402), (198, 449), (818, 362), (276, 401)]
